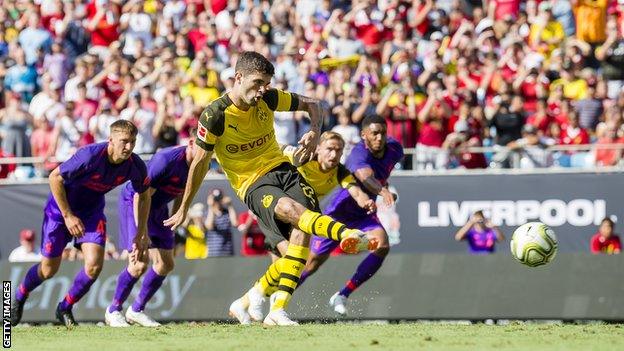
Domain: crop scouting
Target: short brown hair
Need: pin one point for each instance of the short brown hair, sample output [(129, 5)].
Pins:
[(252, 62), (329, 135), (122, 125)]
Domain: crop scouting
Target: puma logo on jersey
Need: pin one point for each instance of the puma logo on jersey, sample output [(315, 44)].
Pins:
[(233, 127)]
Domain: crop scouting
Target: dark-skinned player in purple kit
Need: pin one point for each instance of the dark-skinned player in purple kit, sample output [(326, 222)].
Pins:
[(168, 171), (75, 211), (371, 161)]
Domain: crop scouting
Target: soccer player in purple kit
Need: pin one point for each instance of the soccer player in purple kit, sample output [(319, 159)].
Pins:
[(371, 161), (75, 211), (167, 170)]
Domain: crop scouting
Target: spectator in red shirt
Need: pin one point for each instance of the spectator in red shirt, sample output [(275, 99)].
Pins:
[(605, 241), (573, 133), (541, 119), (252, 240), (103, 23)]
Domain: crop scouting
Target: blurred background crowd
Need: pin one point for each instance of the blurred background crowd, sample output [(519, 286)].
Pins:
[(520, 78)]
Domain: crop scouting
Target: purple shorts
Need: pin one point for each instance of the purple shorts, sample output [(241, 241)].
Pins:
[(322, 246), (55, 235), (161, 237)]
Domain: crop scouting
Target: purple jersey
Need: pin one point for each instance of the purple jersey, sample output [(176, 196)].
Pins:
[(481, 242), (360, 158), (167, 171), (88, 175)]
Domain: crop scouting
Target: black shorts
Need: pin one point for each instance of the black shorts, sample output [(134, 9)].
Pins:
[(261, 198)]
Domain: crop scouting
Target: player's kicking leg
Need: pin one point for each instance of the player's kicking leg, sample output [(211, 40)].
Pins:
[(162, 264), (365, 270)]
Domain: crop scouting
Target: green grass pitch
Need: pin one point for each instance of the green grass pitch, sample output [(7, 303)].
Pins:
[(342, 336)]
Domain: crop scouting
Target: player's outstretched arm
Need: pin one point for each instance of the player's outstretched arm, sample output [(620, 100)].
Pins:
[(197, 172), (73, 223), (362, 199), (366, 176)]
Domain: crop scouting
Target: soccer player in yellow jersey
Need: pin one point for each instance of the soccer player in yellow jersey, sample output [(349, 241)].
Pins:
[(323, 173), (238, 128)]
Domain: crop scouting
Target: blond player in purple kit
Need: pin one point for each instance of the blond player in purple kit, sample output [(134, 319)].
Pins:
[(75, 211)]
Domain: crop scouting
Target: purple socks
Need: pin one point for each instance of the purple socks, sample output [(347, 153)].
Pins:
[(79, 288), (151, 284), (30, 282), (364, 271), (125, 283)]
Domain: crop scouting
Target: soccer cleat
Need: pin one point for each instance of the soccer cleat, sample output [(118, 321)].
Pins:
[(278, 317), (256, 300), (238, 311), (140, 318), (339, 304), (357, 242), (65, 317), (16, 312), (115, 319)]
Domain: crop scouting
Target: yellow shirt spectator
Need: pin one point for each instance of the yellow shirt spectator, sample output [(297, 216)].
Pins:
[(552, 34), (572, 89), (591, 20)]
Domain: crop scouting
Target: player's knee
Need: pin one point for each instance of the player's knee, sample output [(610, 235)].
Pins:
[(382, 250), (164, 267), (288, 210), (48, 271), (137, 269), (93, 270)]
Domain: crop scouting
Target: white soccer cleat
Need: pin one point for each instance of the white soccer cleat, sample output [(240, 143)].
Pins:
[(357, 242), (279, 317), (140, 318), (256, 300), (115, 319), (339, 304), (238, 311)]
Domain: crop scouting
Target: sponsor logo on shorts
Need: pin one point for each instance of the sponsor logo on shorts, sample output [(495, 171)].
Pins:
[(267, 200)]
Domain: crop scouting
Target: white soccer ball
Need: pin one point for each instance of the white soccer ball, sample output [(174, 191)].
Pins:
[(534, 244)]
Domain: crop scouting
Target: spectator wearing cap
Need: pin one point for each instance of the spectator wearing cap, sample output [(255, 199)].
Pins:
[(26, 251), (532, 149), (456, 144), (219, 222), (507, 118), (605, 241)]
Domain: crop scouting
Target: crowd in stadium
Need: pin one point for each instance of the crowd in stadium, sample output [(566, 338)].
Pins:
[(446, 75)]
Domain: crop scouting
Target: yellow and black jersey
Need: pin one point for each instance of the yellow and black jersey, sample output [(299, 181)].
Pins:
[(244, 141), (322, 182)]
